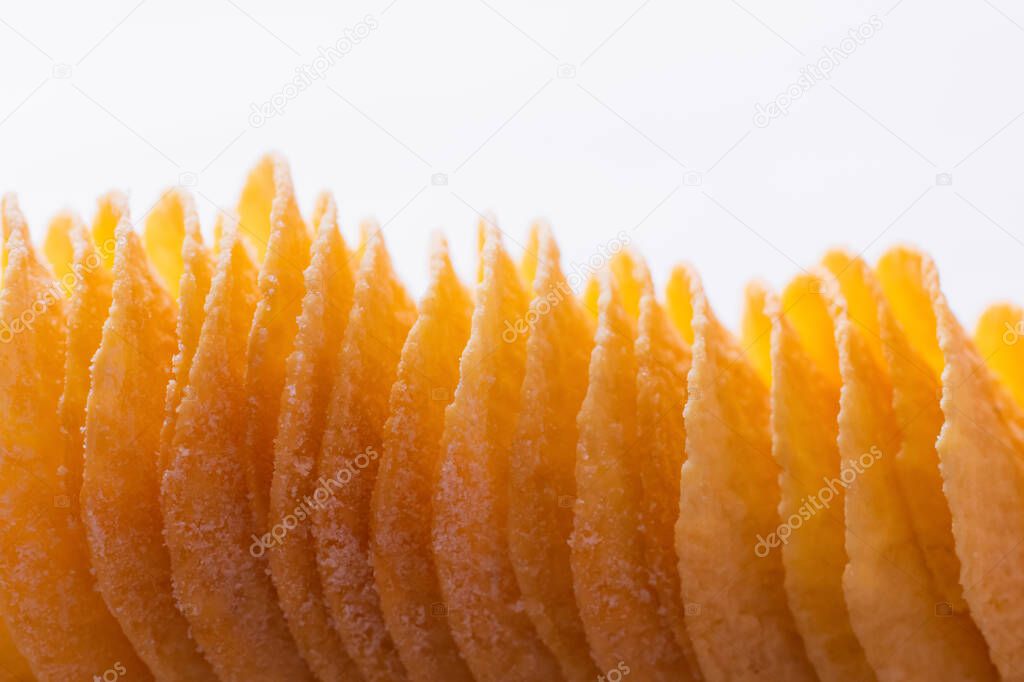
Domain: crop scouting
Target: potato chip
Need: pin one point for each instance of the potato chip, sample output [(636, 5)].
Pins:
[(663, 361), (531, 254), (197, 270), (222, 585), (805, 405), (912, 350), (58, 252), (906, 628), (262, 185), (998, 338), (611, 578), (167, 223), (403, 560), (378, 323), (271, 338), (109, 210), (678, 301), (980, 450), (470, 535), (13, 666), (87, 310), (120, 489), (47, 592), (542, 478), (295, 494), (6, 201), (737, 616), (756, 332), (57, 247)]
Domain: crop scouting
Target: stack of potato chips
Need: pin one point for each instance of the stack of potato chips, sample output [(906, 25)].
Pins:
[(260, 459)]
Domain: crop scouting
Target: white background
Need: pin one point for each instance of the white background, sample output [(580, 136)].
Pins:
[(663, 94)]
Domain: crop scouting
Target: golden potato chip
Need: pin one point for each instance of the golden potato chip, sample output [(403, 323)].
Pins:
[(998, 337), (737, 616), (57, 248), (47, 592), (255, 204), (58, 252), (912, 350), (197, 270), (542, 478), (481, 240), (678, 301), (167, 223), (804, 411), (612, 582), (663, 361), (403, 561), (6, 202), (13, 666), (378, 323), (470, 534), (906, 628), (209, 532), (295, 494), (281, 288), (109, 210), (120, 489), (756, 332), (531, 254), (980, 449), (90, 301)]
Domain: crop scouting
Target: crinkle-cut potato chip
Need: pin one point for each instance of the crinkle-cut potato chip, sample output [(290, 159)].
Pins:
[(47, 593), (542, 477), (679, 303), (262, 186), (663, 361), (220, 584), (470, 534), (912, 350), (999, 337), (197, 270), (271, 337), (981, 450), (168, 222), (120, 489), (110, 208), (7, 203), (804, 410), (57, 247), (12, 663), (740, 623), (13, 666), (294, 492), (612, 582), (401, 518), (756, 332), (531, 255), (378, 323), (898, 614), (87, 310)]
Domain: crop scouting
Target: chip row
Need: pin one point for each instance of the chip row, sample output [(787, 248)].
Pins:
[(260, 459)]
